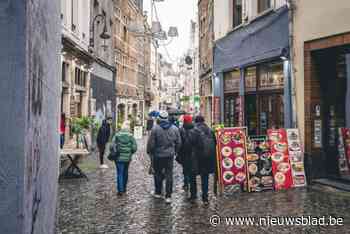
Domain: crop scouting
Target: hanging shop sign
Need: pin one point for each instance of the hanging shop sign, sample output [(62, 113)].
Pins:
[(231, 155), (281, 167), (296, 157), (344, 151), (259, 164)]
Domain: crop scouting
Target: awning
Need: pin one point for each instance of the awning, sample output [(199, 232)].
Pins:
[(262, 39)]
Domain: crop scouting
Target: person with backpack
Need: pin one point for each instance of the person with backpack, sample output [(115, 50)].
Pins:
[(123, 147), (102, 139), (203, 161), (163, 144), (186, 152)]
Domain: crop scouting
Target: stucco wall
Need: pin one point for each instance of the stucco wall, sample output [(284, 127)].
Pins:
[(314, 19), (29, 100)]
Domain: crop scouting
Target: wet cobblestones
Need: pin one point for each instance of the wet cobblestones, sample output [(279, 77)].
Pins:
[(93, 206)]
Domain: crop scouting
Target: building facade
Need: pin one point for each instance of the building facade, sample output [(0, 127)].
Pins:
[(76, 59), (129, 58), (102, 104), (251, 65), (321, 60), (205, 53)]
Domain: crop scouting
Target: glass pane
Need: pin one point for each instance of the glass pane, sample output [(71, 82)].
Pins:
[(250, 79)]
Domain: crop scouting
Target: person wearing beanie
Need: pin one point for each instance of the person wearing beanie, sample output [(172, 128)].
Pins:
[(186, 151), (126, 144), (163, 144)]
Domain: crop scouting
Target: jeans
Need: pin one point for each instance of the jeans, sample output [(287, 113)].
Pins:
[(166, 165), (61, 140), (205, 185), (187, 178), (122, 175)]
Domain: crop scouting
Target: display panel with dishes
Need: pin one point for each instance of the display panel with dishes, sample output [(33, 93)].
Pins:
[(259, 164), (281, 167), (296, 157), (344, 151), (232, 155)]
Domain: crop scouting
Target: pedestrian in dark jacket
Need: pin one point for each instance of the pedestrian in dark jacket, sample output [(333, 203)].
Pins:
[(163, 144), (127, 146), (203, 162), (187, 150), (102, 139)]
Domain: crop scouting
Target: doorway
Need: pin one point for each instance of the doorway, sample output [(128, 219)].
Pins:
[(331, 73)]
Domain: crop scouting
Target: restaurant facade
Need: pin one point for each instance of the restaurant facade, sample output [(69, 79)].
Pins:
[(252, 70)]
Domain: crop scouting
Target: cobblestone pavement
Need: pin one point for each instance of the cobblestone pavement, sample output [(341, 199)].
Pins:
[(93, 206)]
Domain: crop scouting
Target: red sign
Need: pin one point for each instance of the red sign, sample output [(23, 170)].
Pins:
[(281, 167), (232, 155), (345, 133)]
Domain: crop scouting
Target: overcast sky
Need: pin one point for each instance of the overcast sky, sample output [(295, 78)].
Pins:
[(175, 13)]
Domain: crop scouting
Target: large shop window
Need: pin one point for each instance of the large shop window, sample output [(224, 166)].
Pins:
[(264, 107), (232, 101)]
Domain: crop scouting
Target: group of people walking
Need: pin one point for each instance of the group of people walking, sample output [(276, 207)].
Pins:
[(192, 145)]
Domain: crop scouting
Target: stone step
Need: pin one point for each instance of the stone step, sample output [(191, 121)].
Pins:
[(338, 184)]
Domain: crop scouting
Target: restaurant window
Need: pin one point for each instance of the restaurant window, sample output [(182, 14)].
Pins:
[(237, 13), (250, 79), (263, 5), (271, 76), (80, 77)]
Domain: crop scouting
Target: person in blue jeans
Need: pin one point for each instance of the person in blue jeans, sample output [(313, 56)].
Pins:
[(203, 158), (127, 146)]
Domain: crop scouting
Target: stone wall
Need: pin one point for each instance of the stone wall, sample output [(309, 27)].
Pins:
[(29, 100)]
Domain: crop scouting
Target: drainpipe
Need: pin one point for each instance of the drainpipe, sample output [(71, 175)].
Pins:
[(291, 7)]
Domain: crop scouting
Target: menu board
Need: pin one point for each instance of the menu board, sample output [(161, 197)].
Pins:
[(232, 155), (281, 168), (296, 157), (344, 151), (259, 164)]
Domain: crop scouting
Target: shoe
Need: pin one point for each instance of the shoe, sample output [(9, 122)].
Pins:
[(168, 200), (103, 166), (158, 196), (119, 194), (206, 202), (185, 188)]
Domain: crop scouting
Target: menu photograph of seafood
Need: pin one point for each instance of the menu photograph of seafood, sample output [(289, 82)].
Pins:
[(259, 164), (232, 154), (281, 167), (296, 156)]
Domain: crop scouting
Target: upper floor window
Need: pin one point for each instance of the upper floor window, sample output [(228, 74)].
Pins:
[(263, 5), (237, 13)]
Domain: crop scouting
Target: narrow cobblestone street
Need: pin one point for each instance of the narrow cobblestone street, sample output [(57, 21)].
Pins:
[(93, 206)]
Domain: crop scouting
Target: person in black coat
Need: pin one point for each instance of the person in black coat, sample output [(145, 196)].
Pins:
[(202, 162), (102, 139), (186, 152)]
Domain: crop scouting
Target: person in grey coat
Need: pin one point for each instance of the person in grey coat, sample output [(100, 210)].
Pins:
[(163, 144)]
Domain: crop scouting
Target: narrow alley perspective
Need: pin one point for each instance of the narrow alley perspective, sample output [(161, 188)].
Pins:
[(174, 116)]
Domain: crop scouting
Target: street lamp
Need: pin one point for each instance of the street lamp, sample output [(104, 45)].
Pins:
[(104, 35)]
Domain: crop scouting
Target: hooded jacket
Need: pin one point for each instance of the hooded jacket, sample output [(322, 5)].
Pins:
[(164, 141), (127, 145)]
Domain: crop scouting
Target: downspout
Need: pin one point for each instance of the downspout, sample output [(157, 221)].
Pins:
[(291, 7)]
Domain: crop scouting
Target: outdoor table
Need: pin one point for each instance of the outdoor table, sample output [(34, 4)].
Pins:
[(73, 170)]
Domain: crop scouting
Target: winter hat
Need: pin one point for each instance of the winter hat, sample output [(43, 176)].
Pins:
[(187, 119), (163, 115)]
